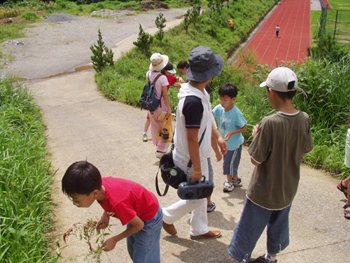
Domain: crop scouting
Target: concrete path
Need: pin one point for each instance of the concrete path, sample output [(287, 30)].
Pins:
[(83, 125)]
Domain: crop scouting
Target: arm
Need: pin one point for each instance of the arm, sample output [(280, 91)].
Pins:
[(215, 147), (103, 222), (136, 224), (166, 98), (229, 134), (193, 148), (255, 130), (216, 136)]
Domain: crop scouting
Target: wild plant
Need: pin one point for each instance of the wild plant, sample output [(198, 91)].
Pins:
[(160, 24), (88, 233), (102, 55)]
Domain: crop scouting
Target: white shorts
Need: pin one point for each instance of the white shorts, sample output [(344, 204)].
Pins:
[(347, 149)]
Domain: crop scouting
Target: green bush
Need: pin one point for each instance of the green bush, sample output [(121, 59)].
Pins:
[(30, 17), (25, 205)]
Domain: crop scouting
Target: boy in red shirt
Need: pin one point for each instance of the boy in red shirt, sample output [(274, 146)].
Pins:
[(126, 200)]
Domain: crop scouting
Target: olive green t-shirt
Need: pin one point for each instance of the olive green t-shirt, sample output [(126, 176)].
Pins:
[(278, 146)]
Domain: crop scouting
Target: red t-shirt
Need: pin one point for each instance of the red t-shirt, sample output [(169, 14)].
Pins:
[(125, 199), (171, 79)]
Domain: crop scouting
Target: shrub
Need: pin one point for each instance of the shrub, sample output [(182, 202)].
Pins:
[(30, 16), (102, 56), (144, 41)]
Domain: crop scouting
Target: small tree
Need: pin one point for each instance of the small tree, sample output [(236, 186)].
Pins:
[(102, 56), (187, 19), (160, 20), (144, 41)]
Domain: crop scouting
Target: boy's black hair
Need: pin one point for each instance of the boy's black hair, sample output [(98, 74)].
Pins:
[(81, 178), (286, 95), (182, 64), (229, 90)]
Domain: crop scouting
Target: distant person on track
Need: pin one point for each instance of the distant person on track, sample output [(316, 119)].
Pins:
[(123, 199), (280, 141), (344, 185), (194, 120), (277, 30), (158, 62)]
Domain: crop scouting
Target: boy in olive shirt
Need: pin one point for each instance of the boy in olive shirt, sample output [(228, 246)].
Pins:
[(280, 141)]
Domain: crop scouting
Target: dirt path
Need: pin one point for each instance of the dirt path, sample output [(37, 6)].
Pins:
[(82, 124)]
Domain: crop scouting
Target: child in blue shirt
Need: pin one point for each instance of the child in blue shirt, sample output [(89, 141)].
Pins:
[(231, 124)]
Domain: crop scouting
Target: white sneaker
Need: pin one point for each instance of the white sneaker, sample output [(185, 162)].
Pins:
[(145, 138), (228, 186)]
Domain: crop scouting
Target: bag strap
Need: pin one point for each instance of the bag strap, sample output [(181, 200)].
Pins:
[(189, 165), (154, 86), (157, 187)]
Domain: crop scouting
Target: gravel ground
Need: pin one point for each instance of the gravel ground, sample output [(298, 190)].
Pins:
[(61, 43)]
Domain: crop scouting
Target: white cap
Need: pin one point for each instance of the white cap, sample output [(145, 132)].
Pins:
[(279, 80)]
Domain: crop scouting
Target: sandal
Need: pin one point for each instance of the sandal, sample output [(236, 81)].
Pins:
[(346, 212), (342, 188)]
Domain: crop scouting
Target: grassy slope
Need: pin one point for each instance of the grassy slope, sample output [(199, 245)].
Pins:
[(25, 205)]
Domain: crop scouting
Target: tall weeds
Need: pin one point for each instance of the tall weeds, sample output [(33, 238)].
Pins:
[(25, 215)]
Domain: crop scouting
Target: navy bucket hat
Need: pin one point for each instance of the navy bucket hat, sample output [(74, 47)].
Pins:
[(204, 64)]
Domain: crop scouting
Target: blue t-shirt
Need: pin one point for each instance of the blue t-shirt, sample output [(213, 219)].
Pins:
[(230, 121)]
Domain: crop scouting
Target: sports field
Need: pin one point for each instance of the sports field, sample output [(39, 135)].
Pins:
[(293, 18)]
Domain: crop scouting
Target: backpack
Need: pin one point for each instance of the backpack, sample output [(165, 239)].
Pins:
[(148, 98)]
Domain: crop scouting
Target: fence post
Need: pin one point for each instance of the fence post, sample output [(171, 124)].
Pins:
[(335, 24)]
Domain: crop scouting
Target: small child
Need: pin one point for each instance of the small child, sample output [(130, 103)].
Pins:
[(231, 124), (126, 200)]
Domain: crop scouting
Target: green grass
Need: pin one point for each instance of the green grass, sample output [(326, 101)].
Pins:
[(25, 205), (339, 4)]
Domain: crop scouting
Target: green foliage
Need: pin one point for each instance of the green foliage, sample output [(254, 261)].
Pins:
[(160, 20), (144, 41), (25, 205), (30, 17), (102, 55)]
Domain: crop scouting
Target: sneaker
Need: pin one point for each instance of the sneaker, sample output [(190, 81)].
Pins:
[(261, 259), (211, 207), (228, 186), (237, 183), (159, 154), (145, 138)]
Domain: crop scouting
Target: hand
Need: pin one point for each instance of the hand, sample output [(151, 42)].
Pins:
[(103, 222), (109, 244), (177, 85), (218, 157), (223, 145), (169, 112), (228, 136), (255, 130), (196, 176)]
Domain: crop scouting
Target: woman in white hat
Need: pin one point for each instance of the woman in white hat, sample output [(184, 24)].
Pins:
[(158, 62)]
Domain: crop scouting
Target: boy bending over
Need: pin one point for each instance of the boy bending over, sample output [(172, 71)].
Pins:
[(126, 200)]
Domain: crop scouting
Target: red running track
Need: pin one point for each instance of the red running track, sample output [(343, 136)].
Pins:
[(293, 18)]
